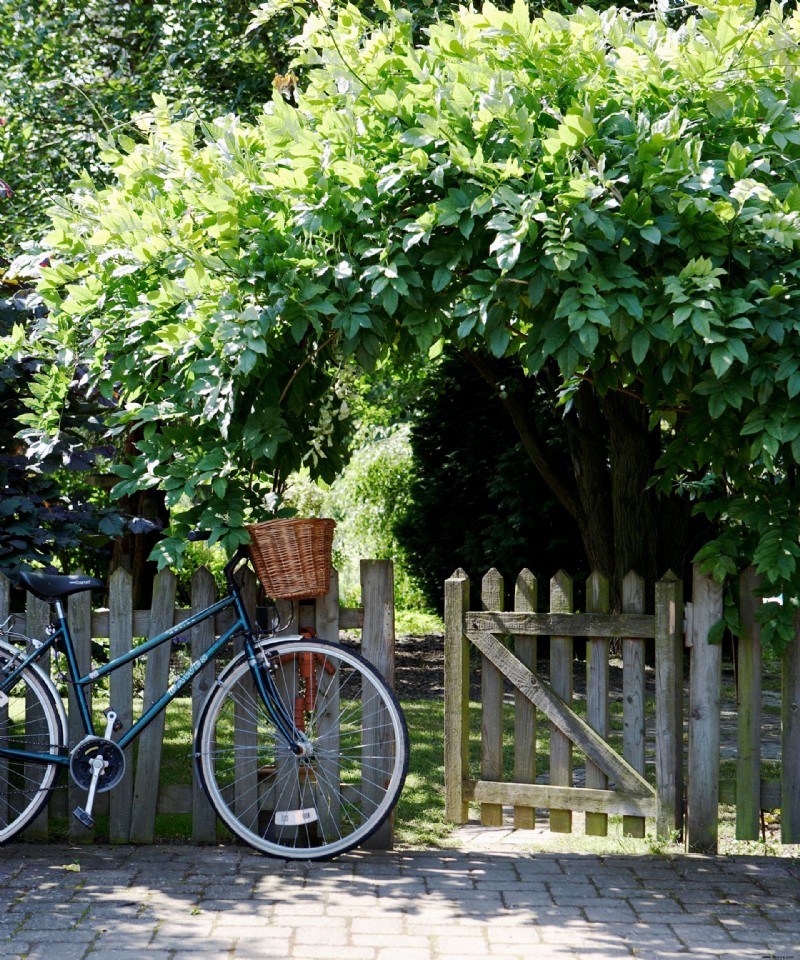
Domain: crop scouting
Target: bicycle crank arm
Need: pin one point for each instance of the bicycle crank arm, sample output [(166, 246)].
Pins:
[(98, 765)]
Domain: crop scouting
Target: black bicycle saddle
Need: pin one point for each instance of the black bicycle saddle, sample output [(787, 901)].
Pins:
[(52, 586)]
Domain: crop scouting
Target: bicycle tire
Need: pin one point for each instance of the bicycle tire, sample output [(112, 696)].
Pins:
[(32, 719), (314, 807)]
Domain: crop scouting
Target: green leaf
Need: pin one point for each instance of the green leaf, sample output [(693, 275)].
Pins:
[(640, 344), (441, 278), (390, 300), (498, 340), (651, 233), (721, 360)]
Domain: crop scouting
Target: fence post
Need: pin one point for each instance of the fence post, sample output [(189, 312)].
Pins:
[(705, 681), (204, 594), (327, 611), (748, 697), (492, 598), (669, 706), (456, 697), (561, 680), (162, 617), (525, 648), (37, 617), (790, 740), (633, 694), (377, 645), (120, 632), (597, 601)]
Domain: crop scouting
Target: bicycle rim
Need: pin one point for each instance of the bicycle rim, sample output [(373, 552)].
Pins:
[(329, 801), (29, 720)]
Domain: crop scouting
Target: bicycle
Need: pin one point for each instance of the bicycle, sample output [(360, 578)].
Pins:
[(301, 747)]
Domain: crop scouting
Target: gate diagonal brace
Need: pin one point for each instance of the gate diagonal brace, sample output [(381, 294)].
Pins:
[(559, 713)]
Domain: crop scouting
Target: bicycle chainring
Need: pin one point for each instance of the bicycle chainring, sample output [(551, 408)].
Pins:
[(80, 763)]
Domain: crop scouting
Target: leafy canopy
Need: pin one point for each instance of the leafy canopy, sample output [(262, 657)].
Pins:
[(601, 192), (72, 68)]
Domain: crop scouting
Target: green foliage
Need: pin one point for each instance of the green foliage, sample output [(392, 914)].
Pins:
[(70, 70), (604, 194)]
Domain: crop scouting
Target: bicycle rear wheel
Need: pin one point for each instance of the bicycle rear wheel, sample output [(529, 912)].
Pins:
[(319, 805), (30, 720)]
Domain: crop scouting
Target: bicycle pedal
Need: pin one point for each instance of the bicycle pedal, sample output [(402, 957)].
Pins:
[(83, 817), (117, 721)]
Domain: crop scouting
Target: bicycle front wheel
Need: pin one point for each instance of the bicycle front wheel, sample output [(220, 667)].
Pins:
[(329, 800), (30, 721)]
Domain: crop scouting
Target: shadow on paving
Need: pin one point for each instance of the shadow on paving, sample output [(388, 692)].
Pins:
[(179, 901)]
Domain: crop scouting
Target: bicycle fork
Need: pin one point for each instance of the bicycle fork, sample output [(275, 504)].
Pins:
[(291, 727)]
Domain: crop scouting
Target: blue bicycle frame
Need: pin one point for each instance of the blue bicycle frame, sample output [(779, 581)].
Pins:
[(241, 626)]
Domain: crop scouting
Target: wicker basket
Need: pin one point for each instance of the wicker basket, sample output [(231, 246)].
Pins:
[(292, 558)]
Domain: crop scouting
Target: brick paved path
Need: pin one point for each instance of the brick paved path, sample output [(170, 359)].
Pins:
[(176, 902)]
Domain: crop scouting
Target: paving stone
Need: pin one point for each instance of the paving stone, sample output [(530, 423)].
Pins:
[(183, 901)]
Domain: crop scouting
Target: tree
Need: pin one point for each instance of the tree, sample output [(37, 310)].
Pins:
[(605, 202)]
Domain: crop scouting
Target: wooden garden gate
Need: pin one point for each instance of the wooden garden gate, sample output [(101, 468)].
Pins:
[(615, 781)]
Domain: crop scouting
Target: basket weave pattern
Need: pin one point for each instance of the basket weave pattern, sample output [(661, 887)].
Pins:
[(292, 558)]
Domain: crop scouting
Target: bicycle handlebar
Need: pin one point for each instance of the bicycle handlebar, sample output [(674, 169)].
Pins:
[(195, 535)]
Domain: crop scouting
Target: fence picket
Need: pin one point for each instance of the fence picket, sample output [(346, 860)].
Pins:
[(492, 598), (120, 628), (790, 740), (37, 619), (633, 693), (597, 690), (327, 611), (561, 680), (79, 614), (456, 697), (525, 647), (669, 705), (748, 698), (377, 645), (145, 791), (204, 594), (705, 681)]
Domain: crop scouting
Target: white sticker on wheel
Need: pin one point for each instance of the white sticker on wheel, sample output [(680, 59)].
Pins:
[(295, 818)]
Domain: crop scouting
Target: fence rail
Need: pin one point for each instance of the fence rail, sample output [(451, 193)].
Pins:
[(132, 806)]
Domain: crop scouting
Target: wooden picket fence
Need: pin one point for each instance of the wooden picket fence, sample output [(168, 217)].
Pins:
[(679, 785), (132, 806)]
